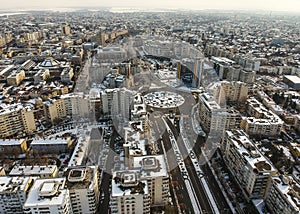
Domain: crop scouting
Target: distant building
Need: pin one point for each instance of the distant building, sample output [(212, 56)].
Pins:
[(16, 77), (292, 81), (83, 185), (283, 195), (13, 193), (48, 196), (249, 167)]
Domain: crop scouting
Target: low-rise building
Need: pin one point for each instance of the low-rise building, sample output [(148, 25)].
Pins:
[(49, 171)]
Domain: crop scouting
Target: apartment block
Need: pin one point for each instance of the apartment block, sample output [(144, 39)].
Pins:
[(153, 169), (48, 196), (247, 164), (129, 193), (13, 193), (82, 183), (283, 195), (15, 119)]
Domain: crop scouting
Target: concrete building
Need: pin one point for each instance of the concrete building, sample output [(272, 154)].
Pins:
[(48, 196), (51, 145), (41, 75), (212, 116), (55, 109), (76, 104), (7, 146), (235, 92), (16, 77), (15, 119), (82, 183), (247, 164), (111, 54), (153, 169), (49, 171), (283, 195), (139, 112), (129, 193), (262, 122), (292, 81), (13, 193)]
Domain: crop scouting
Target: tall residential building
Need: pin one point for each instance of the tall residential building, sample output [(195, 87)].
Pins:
[(212, 116), (48, 196), (13, 193), (121, 103), (15, 119), (82, 183), (77, 105), (129, 193), (235, 92), (283, 195), (247, 164), (153, 169), (139, 112), (262, 121), (54, 109)]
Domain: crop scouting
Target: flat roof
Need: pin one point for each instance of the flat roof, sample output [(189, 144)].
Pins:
[(14, 184), (164, 99), (249, 151), (44, 193), (33, 170), (151, 166), (295, 79)]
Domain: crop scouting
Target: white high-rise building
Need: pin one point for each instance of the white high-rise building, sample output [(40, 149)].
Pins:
[(153, 169), (283, 195), (13, 193), (76, 104), (48, 196), (83, 186), (250, 168), (129, 193)]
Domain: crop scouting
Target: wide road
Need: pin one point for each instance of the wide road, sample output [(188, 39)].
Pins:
[(199, 189)]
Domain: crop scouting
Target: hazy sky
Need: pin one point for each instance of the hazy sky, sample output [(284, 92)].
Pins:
[(278, 5)]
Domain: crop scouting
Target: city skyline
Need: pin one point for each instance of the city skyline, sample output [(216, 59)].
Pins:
[(267, 5)]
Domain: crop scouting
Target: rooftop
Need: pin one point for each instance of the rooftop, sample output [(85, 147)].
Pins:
[(151, 166), (249, 151), (33, 170), (80, 177), (14, 184), (45, 192), (128, 183)]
